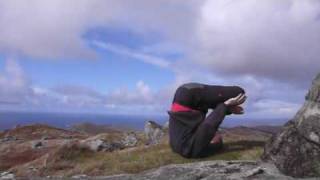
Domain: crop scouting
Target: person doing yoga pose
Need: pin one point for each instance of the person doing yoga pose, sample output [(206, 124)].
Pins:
[(192, 134)]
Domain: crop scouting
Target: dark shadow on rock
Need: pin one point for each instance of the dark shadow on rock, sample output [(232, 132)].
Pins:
[(233, 147), (243, 145)]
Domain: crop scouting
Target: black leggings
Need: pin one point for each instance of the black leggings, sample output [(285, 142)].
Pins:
[(203, 97)]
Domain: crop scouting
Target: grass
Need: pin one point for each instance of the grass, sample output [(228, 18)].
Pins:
[(81, 161)]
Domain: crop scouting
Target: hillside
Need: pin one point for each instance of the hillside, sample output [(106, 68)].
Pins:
[(38, 131), (93, 129), (40, 150), (19, 145)]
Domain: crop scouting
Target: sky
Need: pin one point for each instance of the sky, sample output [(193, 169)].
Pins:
[(128, 57)]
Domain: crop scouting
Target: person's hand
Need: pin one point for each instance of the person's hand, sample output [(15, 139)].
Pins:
[(235, 101), (236, 110)]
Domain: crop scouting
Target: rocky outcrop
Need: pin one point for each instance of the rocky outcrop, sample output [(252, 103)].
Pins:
[(153, 132), (207, 170), (129, 139), (109, 142), (7, 175), (296, 149), (166, 125), (8, 139), (37, 144)]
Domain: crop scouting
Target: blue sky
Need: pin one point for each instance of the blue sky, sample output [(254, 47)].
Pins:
[(109, 71), (129, 57)]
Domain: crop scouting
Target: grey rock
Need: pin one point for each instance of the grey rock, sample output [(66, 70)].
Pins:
[(33, 169), (296, 149), (7, 175), (207, 170), (101, 145), (254, 172), (44, 138), (37, 144), (110, 142), (166, 125), (8, 139), (80, 176), (153, 132), (96, 145), (130, 140)]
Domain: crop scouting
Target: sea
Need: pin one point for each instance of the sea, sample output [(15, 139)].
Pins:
[(10, 120)]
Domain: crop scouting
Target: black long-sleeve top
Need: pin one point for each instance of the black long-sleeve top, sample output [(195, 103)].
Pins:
[(200, 97)]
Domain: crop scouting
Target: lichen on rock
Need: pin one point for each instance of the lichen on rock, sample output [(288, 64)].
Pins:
[(296, 150), (209, 170)]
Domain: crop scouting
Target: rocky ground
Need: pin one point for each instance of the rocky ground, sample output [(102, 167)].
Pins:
[(44, 151), (208, 170), (24, 144)]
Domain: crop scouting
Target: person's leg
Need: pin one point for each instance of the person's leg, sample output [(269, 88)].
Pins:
[(213, 95), (201, 96), (185, 94), (214, 146), (207, 130)]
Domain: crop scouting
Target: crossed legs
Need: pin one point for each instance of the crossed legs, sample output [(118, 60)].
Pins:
[(206, 97)]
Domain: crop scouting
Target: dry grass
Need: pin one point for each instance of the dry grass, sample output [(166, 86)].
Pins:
[(11, 160), (73, 159), (37, 131), (76, 160)]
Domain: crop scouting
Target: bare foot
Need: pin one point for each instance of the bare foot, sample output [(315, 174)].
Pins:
[(216, 139)]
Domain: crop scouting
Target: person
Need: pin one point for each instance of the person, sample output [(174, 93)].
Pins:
[(192, 134)]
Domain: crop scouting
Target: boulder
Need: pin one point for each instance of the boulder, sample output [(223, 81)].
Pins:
[(80, 176), (166, 125), (7, 175), (109, 142), (44, 138), (102, 142), (130, 139), (8, 138), (37, 144), (208, 170), (296, 149), (153, 132)]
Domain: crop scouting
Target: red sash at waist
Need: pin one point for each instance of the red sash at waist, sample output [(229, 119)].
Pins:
[(178, 107)]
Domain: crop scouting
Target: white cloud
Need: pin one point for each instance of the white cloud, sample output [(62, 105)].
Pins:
[(270, 38), (44, 29), (266, 98), (18, 93), (14, 86), (141, 95), (55, 29), (271, 108), (274, 39), (269, 47)]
